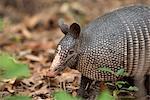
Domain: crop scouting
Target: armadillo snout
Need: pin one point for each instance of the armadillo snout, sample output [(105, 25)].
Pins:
[(51, 74)]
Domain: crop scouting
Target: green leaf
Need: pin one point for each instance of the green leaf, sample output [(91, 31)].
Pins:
[(17, 98), (105, 95), (10, 68), (120, 83), (121, 72), (106, 69), (110, 84), (62, 95), (132, 88)]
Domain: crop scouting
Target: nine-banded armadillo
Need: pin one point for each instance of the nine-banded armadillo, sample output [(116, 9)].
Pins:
[(119, 39)]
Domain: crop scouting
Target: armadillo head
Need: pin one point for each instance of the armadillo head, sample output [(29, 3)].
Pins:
[(66, 52)]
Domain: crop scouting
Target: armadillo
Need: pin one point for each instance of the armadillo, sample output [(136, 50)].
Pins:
[(118, 39)]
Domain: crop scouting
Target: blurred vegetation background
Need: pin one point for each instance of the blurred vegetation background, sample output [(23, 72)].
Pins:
[(29, 16), (18, 9)]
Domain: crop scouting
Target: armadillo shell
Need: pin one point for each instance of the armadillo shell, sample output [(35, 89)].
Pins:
[(119, 39)]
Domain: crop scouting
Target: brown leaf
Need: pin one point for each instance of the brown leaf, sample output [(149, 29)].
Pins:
[(34, 58)]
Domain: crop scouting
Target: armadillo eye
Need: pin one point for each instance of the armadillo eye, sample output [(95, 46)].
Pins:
[(71, 52)]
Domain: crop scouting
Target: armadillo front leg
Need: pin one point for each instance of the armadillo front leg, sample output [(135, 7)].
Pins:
[(89, 89), (84, 85), (94, 90)]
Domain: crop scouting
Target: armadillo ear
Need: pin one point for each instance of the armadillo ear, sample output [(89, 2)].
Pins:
[(64, 27), (75, 30)]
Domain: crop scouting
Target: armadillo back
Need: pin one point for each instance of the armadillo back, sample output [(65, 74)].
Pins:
[(119, 39)]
